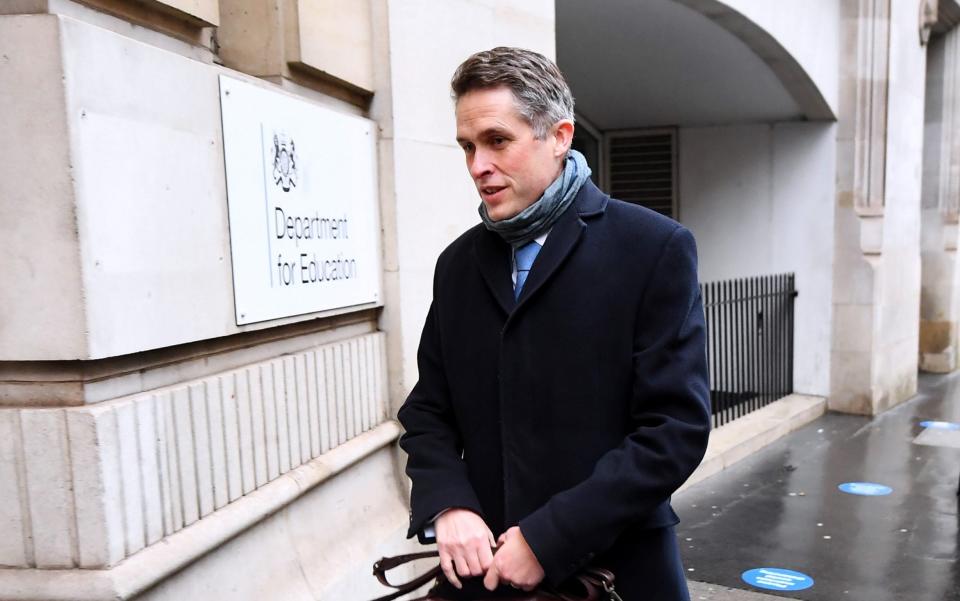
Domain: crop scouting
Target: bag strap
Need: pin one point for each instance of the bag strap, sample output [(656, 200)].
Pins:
[(388, 563)]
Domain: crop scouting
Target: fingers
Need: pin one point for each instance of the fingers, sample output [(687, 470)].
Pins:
[(463, 567), (465, 540), (515, 563), (492, 579), (485, 555), (446, 564), (472, 560)]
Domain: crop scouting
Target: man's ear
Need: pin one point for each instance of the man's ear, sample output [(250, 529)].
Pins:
[(562, 135)]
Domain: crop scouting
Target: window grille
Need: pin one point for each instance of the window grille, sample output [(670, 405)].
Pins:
[(641, 168)]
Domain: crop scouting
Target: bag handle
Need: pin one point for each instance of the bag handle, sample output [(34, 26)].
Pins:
[(601, 578), (594, 580)]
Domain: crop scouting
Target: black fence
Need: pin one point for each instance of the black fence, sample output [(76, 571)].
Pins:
[(749, 343)]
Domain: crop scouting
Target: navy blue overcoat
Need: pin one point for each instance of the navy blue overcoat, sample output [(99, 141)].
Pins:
[(576, 411)]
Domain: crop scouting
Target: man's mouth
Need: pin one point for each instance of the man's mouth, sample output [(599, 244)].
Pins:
[(488, 192)]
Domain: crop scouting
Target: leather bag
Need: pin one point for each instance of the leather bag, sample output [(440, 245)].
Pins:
[(589, 584)]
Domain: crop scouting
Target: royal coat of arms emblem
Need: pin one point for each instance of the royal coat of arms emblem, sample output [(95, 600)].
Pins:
[(284, 162)]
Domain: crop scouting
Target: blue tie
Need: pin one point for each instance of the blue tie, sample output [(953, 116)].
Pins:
[(524, 257)]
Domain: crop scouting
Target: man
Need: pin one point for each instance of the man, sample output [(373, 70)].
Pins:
[(563, 389)]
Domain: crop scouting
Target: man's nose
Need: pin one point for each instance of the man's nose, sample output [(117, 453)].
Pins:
[(480, 166)]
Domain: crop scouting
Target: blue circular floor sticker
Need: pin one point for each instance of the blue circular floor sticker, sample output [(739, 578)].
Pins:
[(777, 579), (940, 425), (867, 489)]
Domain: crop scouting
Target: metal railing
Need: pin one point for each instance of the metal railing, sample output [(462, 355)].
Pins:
[(749, 343)]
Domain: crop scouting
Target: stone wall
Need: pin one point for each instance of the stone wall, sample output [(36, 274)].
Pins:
[(141, 428), (89, 486), (876, 288), (759, 199), (941, 194)]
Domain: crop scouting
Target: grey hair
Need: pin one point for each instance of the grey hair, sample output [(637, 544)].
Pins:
[(542, 95)]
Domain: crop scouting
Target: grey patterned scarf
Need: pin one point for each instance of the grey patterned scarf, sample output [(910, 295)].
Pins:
[(541, 215)]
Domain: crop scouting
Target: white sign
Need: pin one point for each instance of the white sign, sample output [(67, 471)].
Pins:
[(302, 197)]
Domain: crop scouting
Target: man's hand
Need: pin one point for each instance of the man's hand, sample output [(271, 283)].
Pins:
[(465, 544), (514, 563)]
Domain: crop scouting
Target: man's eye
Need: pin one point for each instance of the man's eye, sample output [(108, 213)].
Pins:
[(499, 140), (467, 147)]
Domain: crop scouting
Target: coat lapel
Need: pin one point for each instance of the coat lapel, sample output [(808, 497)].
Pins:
[(494, 255), (563, 238), (493, 258)]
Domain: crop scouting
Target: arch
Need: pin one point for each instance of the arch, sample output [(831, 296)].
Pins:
[(782, 63), (688, 62)]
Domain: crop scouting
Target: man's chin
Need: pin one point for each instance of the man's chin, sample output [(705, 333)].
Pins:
[(500, 213)]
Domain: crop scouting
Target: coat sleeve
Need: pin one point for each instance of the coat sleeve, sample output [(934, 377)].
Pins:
[(670, 411), (432, 440)]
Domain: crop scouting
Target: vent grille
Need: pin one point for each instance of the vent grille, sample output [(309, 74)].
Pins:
[(641, 170)]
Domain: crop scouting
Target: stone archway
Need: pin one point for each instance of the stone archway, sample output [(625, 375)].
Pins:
[(683, 62), (794, 78)]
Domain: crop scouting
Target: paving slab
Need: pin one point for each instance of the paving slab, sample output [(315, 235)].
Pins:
[(702, 591), (938, 438)]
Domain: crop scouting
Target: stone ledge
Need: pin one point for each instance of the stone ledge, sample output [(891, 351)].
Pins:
[(740, 438), (158, 561), (87, 382)]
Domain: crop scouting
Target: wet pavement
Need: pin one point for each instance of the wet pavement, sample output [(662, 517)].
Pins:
[(782, 508)]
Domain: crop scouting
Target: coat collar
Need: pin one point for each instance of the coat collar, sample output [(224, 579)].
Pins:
[(493, 254)]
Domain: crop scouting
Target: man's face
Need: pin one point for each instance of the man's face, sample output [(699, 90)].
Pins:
[(510, 167)]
